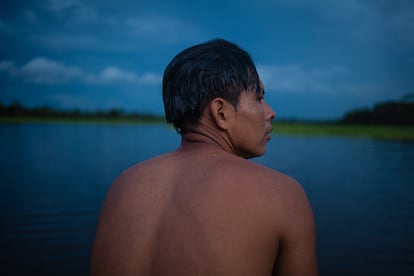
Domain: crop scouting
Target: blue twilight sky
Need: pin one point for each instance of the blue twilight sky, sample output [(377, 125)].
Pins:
[(317, 58)]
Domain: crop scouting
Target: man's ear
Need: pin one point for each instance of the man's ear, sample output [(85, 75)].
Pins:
[(222, 112)]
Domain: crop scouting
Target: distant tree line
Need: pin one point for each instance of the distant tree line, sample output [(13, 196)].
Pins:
[(387, 113), (15, 109)]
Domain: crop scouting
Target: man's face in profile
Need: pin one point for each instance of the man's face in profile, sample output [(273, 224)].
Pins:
[(252, 124)]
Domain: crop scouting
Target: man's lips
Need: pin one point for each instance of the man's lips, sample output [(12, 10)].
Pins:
[(268, 132)]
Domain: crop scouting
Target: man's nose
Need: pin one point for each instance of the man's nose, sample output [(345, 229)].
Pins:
[(271, 114)]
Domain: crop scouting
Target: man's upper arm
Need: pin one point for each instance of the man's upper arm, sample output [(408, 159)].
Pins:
[(297, 247)]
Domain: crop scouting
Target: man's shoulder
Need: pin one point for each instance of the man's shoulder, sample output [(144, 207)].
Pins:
[(146, 166), (254, 176), (247, 169), (141, 172)]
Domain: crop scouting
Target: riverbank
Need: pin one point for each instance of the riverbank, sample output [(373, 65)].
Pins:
[(83, 120), (399, 133)]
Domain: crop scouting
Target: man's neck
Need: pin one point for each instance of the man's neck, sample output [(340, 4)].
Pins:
[(207, 135)]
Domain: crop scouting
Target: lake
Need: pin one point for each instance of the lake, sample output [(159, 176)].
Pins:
[(53, 179)]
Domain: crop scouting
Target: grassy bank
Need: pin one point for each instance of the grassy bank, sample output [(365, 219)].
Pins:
[(292, 128), (83, 120), (368, 131)]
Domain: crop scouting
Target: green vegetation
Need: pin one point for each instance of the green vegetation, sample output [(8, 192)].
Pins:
[(396, 113), (388, 132), (15, 113), (84, 120)]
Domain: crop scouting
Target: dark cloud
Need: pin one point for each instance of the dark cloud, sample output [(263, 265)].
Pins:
[(357, 51)]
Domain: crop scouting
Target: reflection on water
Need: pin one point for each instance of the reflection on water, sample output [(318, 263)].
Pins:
[(53, 178)]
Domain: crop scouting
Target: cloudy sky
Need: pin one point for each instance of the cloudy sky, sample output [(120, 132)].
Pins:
[(317, 58)]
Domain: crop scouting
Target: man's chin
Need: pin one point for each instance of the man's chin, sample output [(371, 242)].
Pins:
[(254, 155)]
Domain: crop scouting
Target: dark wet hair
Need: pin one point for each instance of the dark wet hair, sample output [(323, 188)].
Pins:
[(199, 74)]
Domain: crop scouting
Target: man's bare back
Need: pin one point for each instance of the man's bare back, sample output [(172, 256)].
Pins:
[(205, 209), (202, 211)]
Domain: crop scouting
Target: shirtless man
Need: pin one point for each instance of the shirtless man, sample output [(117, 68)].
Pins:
[(205, 209)]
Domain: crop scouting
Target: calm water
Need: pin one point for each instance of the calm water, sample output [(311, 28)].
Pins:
[(53, 178)]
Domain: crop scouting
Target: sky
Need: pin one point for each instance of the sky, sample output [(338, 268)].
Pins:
[(318, 59)]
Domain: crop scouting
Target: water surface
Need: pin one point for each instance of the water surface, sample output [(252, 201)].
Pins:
[(53, 178)]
